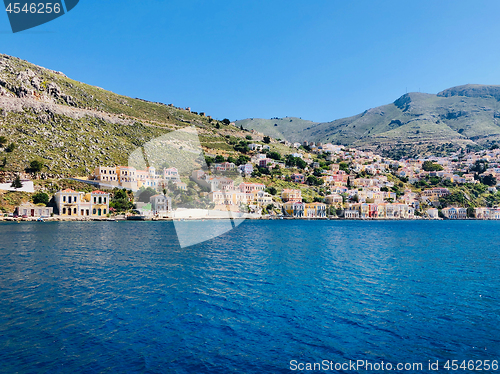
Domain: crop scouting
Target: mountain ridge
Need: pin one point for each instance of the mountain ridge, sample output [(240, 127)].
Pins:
[(416, 123), (71, 127)]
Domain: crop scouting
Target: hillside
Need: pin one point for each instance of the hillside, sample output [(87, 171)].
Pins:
[(278, 128), (416, 123), (72, 127)]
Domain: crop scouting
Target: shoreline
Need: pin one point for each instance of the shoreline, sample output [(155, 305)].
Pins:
[(167, 219)]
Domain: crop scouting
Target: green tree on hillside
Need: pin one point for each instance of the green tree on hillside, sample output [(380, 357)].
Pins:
[(267, 139), (16, 183), (480, 166), (274, 155), (41, 198), (431, 166), (344, 166), (209, 160), (489, 180), (242, 160), (145, 194), (3, 141), (272, 190), (10, 147), (35, 166), (120, 201)]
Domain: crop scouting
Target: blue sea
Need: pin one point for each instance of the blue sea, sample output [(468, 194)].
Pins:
[(266, 297)]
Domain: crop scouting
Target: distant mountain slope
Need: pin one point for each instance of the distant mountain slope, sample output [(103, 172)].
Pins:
[(416, 123), (72, 127), (278, 128)]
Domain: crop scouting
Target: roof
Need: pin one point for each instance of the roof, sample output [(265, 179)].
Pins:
[(99, 192), (68, 190)]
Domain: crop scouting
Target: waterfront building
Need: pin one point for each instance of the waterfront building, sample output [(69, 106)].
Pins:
[(160, 204), (80, 204), (32, 210)]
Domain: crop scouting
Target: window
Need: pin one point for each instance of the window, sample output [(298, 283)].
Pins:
[(64, 199), (64, 210), (74, 210), (104, 200), (69, 199), (94, 211), (104, 211), (95, 200), (100, 200)]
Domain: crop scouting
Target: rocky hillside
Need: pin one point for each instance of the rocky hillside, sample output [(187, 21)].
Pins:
[(416, 123), (72, 127)]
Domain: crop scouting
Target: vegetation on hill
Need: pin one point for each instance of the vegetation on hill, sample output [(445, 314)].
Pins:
[(53, 126), (415, 124)]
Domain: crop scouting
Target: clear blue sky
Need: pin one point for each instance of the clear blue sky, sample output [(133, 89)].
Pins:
[(319, 60)]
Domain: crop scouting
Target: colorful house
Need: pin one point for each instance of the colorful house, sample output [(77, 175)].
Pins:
[(291, 195)]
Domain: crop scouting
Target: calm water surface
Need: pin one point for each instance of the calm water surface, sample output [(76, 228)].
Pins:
[(125, 298)]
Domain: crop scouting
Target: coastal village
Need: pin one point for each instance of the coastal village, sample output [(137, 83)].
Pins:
[(307, 181)]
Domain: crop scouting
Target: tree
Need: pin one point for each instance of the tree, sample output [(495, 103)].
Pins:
[(145, 194), (10, 147), (41, 198), (313, 181), (479, 166), (36, 166), (225, 121), (209, 160), (219, 159), (431, 166), (4, 162), (489, 180), (470, 212), (17, 183), (242, 159), (348, 182), (344, 166), (267, 139), (242, 147), (248, 137), (271, 190), (301, 164), (3, 141), (120, 194), (274, 155)]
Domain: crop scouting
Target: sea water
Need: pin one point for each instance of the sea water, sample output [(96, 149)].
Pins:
[(266, 297)]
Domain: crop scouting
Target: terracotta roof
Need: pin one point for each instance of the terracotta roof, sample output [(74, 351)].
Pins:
[(99, 192), (68, 190)]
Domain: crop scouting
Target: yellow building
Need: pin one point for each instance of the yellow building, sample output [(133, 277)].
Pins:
[(315, 210), (335, 200), (290, 195), (80, 204)]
